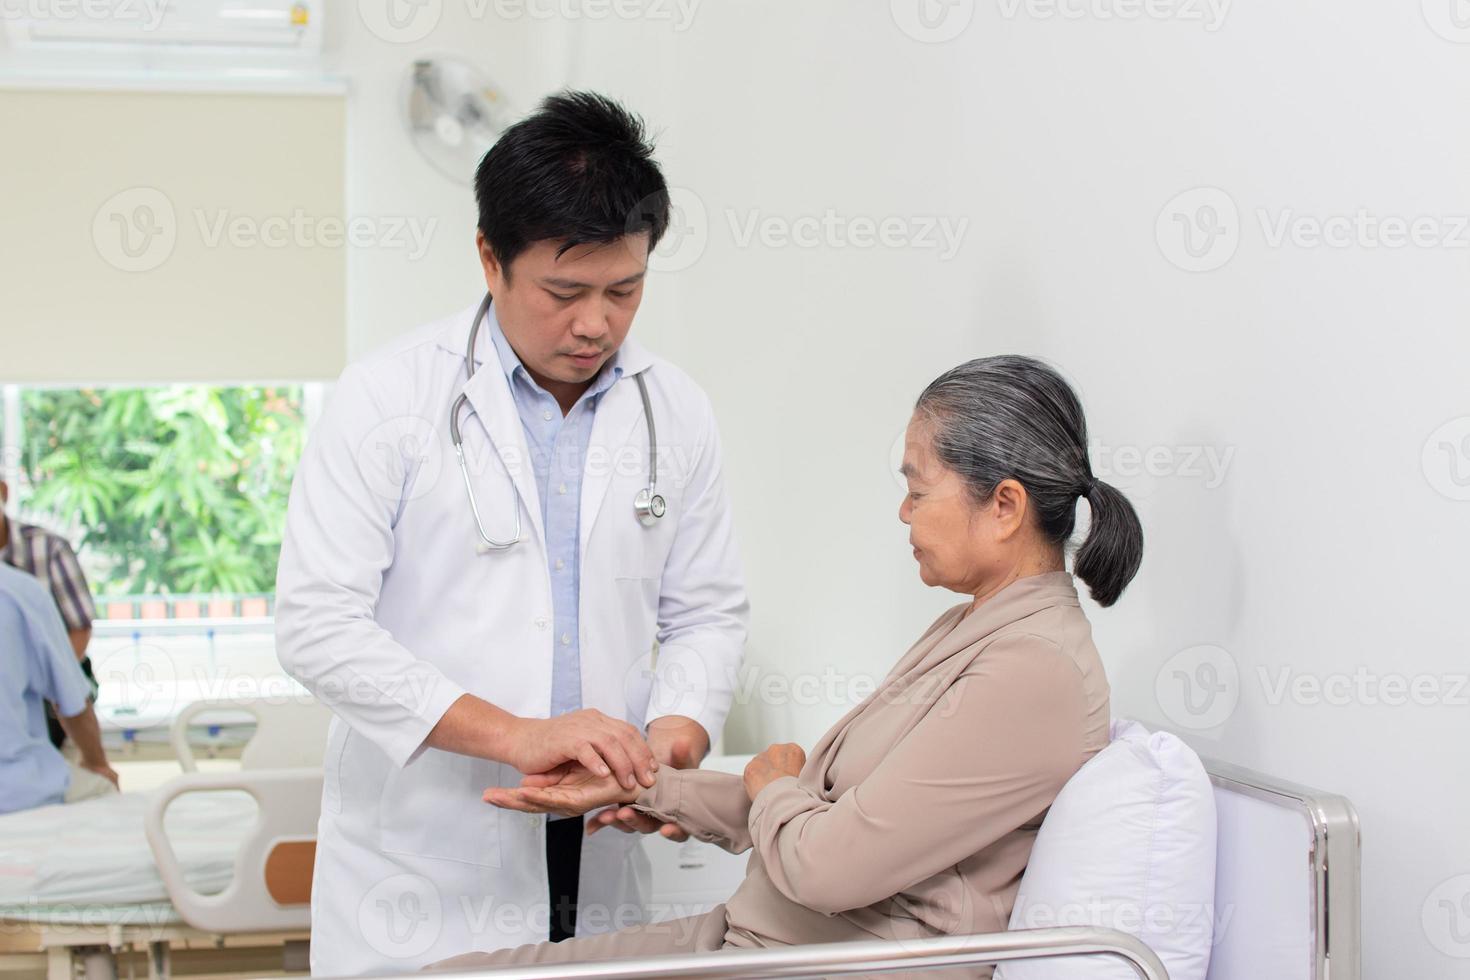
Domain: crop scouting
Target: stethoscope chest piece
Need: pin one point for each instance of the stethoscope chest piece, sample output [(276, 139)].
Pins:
[(649, 507)]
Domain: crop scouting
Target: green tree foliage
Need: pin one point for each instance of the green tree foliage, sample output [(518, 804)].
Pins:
[(175, 490)]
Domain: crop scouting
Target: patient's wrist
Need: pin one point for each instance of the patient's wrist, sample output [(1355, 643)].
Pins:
[(660, 798)]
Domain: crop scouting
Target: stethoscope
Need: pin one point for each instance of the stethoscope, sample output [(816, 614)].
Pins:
[(648, 505)]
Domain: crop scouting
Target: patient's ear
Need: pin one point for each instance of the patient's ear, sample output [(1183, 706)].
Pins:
[(1008, 504)]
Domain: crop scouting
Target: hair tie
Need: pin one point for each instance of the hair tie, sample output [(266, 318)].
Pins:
[(1089, 486)]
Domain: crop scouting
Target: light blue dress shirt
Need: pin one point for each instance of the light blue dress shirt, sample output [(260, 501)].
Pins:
[(37, 664), (558, 447)]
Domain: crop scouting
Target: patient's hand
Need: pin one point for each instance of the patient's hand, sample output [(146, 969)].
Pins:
[(677, 741), (568, 790), (781, 759)]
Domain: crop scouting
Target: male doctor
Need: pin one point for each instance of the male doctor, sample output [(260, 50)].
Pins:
[(456, 660)]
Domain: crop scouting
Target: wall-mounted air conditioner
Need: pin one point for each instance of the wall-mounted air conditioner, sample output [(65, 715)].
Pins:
[(131, 26)]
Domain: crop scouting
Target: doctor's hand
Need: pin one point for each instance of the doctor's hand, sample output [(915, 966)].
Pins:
[(604, 746), (677, 741), (781, 759), (569, 790)]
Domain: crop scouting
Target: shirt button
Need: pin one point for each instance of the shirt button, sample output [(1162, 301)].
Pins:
[(546, 416), (562, 488), (560, 564), (566, 639), (540, 622)]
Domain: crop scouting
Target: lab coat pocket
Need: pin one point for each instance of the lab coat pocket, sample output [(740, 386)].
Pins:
[(643, 553), (633, 559), (337, 737), (433, 808)]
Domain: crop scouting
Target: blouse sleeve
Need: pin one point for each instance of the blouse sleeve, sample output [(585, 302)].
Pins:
[(712, 806)]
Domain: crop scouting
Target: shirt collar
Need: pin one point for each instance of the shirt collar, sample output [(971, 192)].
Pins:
[(510, 363)]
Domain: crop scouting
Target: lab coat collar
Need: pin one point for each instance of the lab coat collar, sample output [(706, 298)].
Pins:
[(489, 394), (494, 409), (615, 430), (632, 356)]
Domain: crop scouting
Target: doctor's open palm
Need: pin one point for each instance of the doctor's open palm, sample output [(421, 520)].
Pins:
[(569, 790)]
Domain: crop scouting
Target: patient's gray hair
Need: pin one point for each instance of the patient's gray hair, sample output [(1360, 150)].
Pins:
[(1015, 417)]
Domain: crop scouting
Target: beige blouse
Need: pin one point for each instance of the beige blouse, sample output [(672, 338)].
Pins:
[(915, 815)]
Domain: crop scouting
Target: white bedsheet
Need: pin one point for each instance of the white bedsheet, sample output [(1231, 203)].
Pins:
[(95, 852)]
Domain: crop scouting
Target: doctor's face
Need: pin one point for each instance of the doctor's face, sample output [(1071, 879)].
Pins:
[(565, 315)]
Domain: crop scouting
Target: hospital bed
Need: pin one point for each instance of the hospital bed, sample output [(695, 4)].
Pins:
[(213, 862)]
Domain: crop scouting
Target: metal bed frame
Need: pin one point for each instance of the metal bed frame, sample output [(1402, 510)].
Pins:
[(1335, 862)]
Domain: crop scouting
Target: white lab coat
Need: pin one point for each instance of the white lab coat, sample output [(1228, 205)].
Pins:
[(387, 611)]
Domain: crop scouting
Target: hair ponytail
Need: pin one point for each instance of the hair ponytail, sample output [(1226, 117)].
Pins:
[(1109, 558), (1015, 417)]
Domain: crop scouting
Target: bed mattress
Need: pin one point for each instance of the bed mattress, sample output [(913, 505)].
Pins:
[(95, 853)]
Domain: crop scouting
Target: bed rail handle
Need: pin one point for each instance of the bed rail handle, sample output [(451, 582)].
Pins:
[(289, 804), (840, 959)]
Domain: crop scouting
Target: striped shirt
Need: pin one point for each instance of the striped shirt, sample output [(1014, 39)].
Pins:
[(47, 556)]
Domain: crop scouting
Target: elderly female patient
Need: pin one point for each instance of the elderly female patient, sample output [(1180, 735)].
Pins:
[(915, 815)]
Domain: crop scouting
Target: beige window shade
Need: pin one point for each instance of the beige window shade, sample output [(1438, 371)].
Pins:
[(163, 236)]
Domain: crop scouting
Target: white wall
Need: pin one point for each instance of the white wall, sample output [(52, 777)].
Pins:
[(1316, 374), (388, 290)]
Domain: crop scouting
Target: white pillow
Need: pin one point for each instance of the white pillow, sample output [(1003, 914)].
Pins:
[(1129, 844)]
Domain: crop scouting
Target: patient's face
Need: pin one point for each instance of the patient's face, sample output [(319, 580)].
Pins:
[(952, 539)]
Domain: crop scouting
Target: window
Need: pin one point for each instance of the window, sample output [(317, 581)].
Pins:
[(174, 497)]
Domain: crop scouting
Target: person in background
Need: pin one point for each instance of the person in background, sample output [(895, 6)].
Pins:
[(50, 558), (38, 665)]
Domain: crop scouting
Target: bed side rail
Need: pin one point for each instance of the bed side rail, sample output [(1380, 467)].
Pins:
[(270, 890), (844, 959)]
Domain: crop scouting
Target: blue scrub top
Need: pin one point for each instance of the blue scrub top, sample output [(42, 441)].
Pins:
[(37, 664)]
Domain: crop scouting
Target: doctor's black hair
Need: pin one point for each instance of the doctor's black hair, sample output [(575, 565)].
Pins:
[(1014, 417), (579, 170)]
